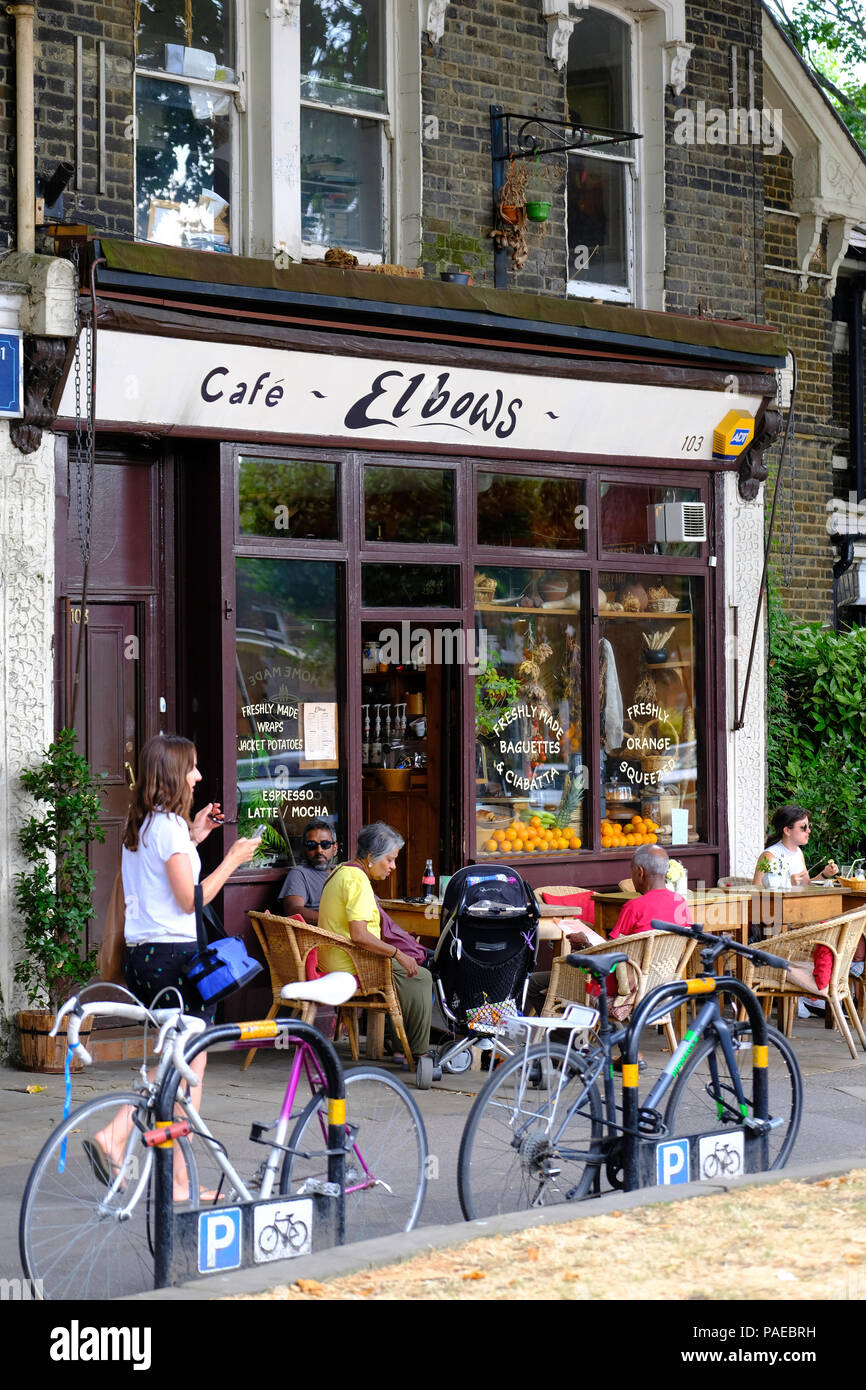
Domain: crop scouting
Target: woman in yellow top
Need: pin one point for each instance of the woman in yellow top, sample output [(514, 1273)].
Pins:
[(348, 908)]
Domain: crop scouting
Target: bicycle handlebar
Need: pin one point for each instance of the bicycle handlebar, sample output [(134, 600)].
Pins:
[(163, 1019), (726, 943)]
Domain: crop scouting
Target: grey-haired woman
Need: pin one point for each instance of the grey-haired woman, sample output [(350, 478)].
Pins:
[(349, 908)]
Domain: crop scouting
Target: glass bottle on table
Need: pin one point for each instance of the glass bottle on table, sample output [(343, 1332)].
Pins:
[(428, 883)]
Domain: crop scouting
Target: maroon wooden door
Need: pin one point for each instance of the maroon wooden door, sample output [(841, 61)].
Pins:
[(107, 724)]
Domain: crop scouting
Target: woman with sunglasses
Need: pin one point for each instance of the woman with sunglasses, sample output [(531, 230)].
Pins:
[(790, 832)]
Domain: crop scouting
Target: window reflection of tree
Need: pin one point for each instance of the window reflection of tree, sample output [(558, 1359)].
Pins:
[(306, 490), (304, 596)]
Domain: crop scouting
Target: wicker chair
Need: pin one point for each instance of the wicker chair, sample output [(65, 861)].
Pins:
[(657, 956), (376, 991), (841, 935), (283, 959)]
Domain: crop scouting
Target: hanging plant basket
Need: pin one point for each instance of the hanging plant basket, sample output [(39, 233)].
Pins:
[(538, 211)]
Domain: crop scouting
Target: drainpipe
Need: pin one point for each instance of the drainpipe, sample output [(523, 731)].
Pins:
[(855, 384), (25, 133)]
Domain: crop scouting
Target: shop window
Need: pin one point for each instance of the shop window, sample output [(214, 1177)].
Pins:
[(185, 122), (531, 512), (601, 253), (344, 121), (529, 777), (288, 761), (651, 764), (652, 520), (288, 499), (410, 586), (409, 505)]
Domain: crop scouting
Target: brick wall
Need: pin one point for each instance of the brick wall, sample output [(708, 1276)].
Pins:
[(57, 26), (714, 191), (496, 57), (803, 555)]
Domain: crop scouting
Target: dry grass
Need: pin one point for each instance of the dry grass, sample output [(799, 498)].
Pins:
[(786, 1241)]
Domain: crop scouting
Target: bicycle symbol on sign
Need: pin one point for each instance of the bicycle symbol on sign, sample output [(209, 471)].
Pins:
[(285, 1230), (722, 1161)]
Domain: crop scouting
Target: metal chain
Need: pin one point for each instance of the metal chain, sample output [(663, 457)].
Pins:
[(83, 441)]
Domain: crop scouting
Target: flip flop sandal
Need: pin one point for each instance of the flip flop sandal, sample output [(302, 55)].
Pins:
[(100, 1163)]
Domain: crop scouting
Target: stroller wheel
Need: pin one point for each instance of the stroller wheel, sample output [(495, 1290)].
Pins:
[(424, 1073), (461, 1062)]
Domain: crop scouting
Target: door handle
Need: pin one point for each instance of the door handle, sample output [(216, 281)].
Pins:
[(127, 767)]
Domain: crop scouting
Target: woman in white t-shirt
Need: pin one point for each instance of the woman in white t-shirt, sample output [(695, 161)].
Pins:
[(160, 867), (791, 830)]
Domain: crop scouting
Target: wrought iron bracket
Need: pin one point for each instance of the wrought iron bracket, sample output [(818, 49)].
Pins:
[(524, 139), (517, 135)]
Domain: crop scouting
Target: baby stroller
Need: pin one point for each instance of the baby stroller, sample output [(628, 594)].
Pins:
[(487, 945)]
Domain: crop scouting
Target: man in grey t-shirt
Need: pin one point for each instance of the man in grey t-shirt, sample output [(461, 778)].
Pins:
[(302, 891)]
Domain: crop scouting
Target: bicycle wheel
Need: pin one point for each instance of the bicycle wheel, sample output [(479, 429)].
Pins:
[(75, 1236), (297, 1236), (386, 1158), (268, 1240), (697, 1105), (515, 1154)]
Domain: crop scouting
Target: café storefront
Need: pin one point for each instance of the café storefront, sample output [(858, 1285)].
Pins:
[(448, 558)]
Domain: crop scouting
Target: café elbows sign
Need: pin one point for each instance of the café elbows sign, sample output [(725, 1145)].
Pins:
[(233, 390)]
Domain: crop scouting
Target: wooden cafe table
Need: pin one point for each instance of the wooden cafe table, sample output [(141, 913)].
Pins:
[(422, 919), (714, 910), (777, 909)]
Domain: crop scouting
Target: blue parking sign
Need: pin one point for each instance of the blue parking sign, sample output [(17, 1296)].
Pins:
[(672, 1162), (219, 1240), (11, 375)]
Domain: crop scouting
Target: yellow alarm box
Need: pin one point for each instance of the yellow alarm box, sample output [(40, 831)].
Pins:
[(732, 435)]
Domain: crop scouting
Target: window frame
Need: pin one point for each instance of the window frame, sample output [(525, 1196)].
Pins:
[(235, 89), (314, 250), (633, 192)]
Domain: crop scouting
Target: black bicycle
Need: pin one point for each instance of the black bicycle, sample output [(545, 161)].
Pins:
[(558, 1115)]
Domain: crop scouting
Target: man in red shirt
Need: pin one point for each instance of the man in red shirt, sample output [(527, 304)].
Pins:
[(648, 868)]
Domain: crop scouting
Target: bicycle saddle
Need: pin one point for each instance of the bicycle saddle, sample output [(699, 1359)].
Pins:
[(334, 988), (600, 966)]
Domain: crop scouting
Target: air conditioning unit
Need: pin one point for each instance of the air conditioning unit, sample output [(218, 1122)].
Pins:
[(677, 521)]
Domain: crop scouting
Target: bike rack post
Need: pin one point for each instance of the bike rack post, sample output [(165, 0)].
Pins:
[(674, 994), (164, 1154)]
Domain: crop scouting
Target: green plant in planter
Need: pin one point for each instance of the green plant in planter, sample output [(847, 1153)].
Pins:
[(494, 692), (55, 896), (456, 251)]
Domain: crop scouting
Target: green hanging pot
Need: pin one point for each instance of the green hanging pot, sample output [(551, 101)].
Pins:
[(538, 212)]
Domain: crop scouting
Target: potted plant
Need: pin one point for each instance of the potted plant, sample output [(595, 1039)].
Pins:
[(773, 871), (494, 693), (456, 257), (55, 895)]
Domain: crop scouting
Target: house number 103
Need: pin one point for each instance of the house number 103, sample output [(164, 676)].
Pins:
[(692, 444)]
